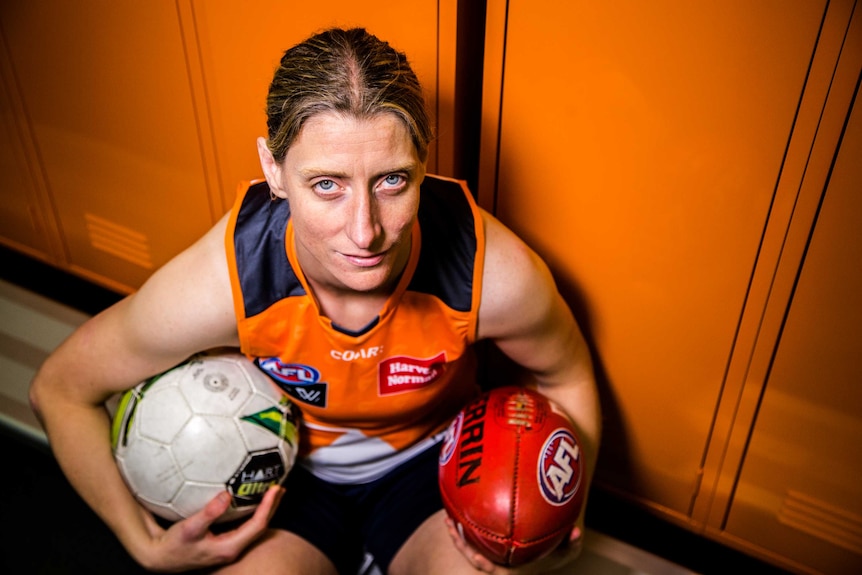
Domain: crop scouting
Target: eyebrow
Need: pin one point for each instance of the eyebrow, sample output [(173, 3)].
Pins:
[(311, 173)]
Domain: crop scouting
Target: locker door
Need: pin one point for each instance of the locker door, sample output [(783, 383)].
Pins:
[(798, 493), (241, 44), (23, 209), (639, 149), (106, 91)]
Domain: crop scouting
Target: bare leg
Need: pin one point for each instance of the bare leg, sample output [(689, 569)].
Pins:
[(430, 551), (280, 552)]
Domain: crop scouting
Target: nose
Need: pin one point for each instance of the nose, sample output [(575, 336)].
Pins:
[(363, 227)]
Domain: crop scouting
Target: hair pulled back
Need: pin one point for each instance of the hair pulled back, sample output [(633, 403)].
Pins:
[(345, 71)]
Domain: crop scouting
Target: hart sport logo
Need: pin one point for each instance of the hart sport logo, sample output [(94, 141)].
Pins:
[(259, 471), (559, 468), (301, 382)]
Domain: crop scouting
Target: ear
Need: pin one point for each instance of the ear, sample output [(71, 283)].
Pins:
[(271, 169)]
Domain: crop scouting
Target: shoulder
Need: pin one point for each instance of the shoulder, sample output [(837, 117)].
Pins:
[(517, 287), (187, 302), (180, 310)]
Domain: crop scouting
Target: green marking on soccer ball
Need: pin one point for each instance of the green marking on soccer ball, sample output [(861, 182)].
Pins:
[(277, 421), (126, 407)]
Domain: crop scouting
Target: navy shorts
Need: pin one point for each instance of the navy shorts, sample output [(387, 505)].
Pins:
[(347, 521)]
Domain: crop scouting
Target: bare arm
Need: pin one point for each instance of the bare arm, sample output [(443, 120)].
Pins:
[(184, 308), (527, 318)]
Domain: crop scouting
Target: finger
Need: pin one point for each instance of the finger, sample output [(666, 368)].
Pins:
[(275, 492), (198, 524), (476, 559), (255, 525), (574, 546), (482, 563), (269, 504), (231, 543)]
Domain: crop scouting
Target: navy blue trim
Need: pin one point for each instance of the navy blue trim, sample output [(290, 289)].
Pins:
[(448, 255), (265, 274), (359, 332)]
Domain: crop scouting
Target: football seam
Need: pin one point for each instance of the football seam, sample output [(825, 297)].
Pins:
[(492, 534), (496, 536), (516, 484)]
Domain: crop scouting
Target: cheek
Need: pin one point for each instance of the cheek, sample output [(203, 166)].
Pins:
[(399, 224), (398, 218), (315, 225)]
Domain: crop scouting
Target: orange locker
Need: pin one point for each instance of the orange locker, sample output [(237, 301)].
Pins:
[(106, 98), (798, 493), (23, 208), (663, 157), (238, 53), (131, 123), (639, 151)]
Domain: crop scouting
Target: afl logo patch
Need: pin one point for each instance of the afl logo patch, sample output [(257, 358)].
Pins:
[(450, 440), (289, 373), (559, 468), (299, 381)]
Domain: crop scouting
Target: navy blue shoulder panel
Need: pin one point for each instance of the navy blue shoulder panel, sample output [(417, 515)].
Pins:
[(265, 274), (445, 268)]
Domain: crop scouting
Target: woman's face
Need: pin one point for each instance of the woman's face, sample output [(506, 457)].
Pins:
[(353, 188)]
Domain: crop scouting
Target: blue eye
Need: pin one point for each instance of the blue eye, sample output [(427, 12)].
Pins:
[(325, 185), (396, 181)]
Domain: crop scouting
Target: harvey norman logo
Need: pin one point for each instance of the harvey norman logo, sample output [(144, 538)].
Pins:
[(401, 373)]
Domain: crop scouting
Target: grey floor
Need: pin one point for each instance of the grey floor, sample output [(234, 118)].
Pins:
[(38, 499)]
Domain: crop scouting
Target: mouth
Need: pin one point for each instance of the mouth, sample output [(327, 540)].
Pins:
[(364, 261)]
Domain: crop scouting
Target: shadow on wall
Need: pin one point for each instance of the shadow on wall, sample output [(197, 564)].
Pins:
[(614, 464)]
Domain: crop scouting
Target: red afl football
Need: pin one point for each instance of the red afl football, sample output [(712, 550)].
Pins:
[(511, 473)]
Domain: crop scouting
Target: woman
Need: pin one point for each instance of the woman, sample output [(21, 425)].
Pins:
[(349, 263)]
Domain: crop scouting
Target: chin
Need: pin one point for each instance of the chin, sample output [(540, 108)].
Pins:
[(367, 281), (368, 287)]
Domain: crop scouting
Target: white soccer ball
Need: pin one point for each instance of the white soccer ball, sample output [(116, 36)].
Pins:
[(213, 423)]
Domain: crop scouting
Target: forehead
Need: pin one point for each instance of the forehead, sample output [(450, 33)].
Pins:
[(330, 137)]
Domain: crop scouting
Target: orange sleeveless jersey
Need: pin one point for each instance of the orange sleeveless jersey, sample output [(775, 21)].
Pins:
[(372, 399)]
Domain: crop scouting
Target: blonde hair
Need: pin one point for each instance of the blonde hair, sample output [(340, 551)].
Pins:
[(344, 71)]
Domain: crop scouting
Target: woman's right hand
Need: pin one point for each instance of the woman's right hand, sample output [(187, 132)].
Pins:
[(191, 544)]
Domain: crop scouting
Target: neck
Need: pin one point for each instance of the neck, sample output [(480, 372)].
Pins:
[(353, 309)]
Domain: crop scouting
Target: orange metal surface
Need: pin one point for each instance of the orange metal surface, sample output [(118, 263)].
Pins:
[(139, 119), (22, 207), (239, 52), (106, 94), (816, 135), (798, 492), (640, 145), (669, 161)]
